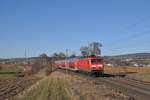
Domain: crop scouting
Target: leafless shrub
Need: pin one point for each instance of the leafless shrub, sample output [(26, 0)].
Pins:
[(0, 67)]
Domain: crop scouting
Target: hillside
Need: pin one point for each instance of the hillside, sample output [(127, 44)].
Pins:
[(136, 59), (131, 56)]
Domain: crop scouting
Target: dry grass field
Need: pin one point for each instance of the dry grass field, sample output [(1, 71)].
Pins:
[(62, 86), (142, 73), (9, 69), (127, 69), (49, 88)]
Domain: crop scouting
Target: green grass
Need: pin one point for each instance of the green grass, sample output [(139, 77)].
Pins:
[(50, 89), (8, 71), (3, 72)]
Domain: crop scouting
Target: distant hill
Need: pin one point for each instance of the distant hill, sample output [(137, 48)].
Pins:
[(18, 60), (130, 56), (141, 59)]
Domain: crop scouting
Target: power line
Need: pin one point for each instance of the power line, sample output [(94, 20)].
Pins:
[(134, 36), (123, 49), (135, 24), (129, 27), (131, 37)]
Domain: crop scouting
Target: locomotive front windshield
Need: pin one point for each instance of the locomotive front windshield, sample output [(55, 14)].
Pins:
[(96, 61)]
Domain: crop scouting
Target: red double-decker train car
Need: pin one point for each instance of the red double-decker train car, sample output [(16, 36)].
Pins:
[(92, 65)]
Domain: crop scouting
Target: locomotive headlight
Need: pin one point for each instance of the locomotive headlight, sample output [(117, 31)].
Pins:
[(100, 65), (93, 66)]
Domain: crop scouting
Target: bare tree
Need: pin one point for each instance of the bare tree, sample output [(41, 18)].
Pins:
[(55, 55), (93, 48), (44, 59), (58, 56), (84, 51), (73, 55), (62, 55), (0, 67)]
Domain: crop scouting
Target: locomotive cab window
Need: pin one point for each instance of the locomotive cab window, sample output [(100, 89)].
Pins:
[(95, 61)]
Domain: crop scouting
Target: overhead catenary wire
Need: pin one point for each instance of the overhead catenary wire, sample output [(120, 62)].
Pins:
[(141, 34), (143, 20), (125, 29), (133, 36), (130, 27)]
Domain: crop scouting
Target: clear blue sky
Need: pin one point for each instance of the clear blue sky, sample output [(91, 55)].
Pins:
[(53, 25)]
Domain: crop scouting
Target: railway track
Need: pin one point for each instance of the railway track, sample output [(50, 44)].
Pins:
[(11, 87), (136, 89)]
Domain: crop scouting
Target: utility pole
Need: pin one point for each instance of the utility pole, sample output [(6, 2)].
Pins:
[(25, 62), (25, 54), (66, 60), (52, 63)]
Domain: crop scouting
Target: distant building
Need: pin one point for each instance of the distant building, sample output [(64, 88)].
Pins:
[(135, 65), (148, 65), (3, 62), (109, 65)]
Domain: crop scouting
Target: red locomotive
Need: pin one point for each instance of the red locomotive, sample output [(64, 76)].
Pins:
[(92, 65)]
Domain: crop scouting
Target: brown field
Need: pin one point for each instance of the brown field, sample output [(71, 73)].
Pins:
[(142, 73), (127, 69), (13, 66), (9, 70), (11, 86)]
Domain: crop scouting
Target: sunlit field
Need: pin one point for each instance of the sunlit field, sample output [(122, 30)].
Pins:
[(142, 73), (127, 69), (8, 69)]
